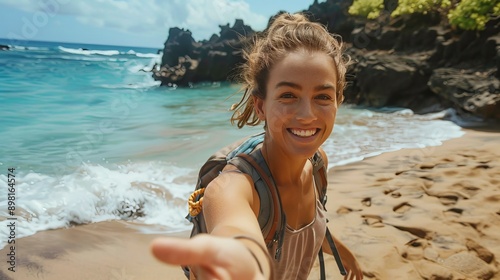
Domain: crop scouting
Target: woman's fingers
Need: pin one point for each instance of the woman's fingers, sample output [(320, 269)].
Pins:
[(209, 257), (178, 251)]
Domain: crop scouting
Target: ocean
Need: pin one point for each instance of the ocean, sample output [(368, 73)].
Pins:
[(90, 136)]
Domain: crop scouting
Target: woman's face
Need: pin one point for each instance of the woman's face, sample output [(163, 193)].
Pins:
[(301, 104)]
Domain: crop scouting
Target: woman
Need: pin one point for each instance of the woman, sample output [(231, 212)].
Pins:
[(294, 78)]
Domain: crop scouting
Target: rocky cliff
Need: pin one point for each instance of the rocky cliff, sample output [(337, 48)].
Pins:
[(185, 61), (416, 62)]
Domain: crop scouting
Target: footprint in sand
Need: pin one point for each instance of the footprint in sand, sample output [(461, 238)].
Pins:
[(454, 212), (393, 193), (402, 208), (483, 253), (396, 194), (384, 178), (367, 201), (415, 249), (346, 210), (466, 187), (460, 190), (419, 232), (482, 166), (373, 220), (448, 198), (493, 198), (427, 165)]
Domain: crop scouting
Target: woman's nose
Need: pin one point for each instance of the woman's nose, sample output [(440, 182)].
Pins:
[(306, 112)]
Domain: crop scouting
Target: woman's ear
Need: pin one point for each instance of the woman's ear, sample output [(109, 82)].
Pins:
[(258, 105)]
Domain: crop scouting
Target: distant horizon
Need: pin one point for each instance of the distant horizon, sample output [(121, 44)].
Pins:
[(131, 23), (79, 43)]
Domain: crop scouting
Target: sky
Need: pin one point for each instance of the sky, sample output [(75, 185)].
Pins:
[(141, 23)]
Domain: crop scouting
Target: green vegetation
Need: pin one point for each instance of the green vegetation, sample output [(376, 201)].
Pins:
[(406, 7), (369, 9), (474, 14), (464, 14)]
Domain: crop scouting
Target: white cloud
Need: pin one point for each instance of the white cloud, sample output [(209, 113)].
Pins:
[(201, 17)]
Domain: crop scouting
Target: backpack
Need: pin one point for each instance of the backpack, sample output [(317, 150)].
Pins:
[(246, 155)]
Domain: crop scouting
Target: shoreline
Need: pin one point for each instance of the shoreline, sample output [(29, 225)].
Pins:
[(406, 214)]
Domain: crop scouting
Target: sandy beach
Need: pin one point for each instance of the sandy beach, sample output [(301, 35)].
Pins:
[(431, 213)]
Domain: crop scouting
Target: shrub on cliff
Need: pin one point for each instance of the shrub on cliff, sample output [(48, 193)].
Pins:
[(406, 7), (465, 14), (474, 14), (369, 9)]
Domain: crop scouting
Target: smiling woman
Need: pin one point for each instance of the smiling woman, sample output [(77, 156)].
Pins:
[(293, 81), (301, 101)]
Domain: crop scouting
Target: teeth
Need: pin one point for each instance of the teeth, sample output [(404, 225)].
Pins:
[(303, 133)]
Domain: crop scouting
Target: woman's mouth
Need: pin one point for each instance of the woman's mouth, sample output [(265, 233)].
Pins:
[(303, 132)]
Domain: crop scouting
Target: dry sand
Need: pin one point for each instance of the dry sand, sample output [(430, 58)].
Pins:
[(431, 213)]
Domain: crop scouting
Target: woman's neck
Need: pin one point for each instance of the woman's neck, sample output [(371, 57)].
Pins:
[(285, 169)]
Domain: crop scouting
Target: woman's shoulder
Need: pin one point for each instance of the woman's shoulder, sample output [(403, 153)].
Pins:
[(231, 182), (323, 155), (232, 189)]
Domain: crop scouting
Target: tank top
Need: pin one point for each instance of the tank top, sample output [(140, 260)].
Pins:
[(300, 248)]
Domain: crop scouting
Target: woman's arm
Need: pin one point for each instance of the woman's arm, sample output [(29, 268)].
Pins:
[(349, 261), (229, 207)]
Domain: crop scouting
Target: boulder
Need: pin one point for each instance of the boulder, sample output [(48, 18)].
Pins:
[(474, 92), (389, 80)]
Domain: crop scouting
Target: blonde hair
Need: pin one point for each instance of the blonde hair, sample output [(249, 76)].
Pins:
[(287, 33)]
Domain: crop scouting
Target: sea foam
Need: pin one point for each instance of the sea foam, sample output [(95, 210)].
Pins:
[(150, 193)]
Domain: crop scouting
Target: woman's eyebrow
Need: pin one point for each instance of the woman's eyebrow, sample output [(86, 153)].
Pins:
[(288, 84), (326, 86)]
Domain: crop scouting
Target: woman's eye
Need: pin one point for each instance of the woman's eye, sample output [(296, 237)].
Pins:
[(324, 97), (287, 95)]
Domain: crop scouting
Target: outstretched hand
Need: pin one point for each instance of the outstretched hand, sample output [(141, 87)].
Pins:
[(209, 257)]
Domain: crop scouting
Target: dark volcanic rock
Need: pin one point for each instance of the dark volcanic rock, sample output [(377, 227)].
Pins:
[(386, 79), (416, 61), (179, 43), (4, 47), (474, 92), (185, 61)]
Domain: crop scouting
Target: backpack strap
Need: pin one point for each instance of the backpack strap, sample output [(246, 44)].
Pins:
[(272, 219), (335, 252), (320, 177), (321, 182)]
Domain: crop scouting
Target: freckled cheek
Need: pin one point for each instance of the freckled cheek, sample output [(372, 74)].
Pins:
[(329, 115), (278, 117)]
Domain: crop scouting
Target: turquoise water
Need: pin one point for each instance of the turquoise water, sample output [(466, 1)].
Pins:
[(93, 137)]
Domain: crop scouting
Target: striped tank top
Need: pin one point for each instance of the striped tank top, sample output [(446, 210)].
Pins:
[(300, 248)]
